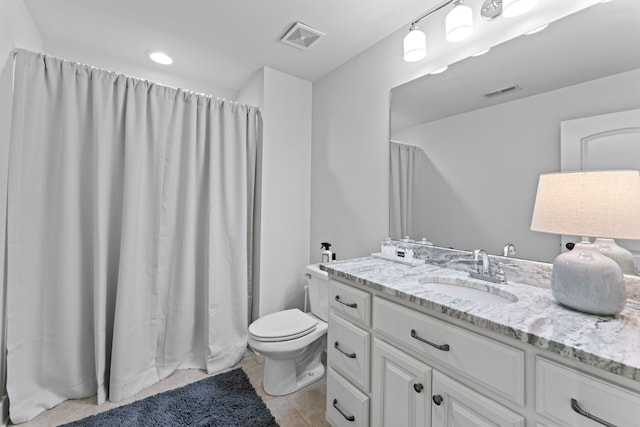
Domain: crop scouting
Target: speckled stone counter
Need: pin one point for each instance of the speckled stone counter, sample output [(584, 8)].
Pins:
[(605, 342)]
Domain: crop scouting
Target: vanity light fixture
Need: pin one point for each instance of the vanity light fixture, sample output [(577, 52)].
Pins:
[(459, 23), (159, 57), (591, 204), (415, 45)]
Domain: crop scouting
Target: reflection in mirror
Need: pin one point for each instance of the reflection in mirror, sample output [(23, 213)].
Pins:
[(471, 181)]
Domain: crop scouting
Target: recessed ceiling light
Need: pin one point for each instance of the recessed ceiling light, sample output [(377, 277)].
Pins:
[(159, 57)]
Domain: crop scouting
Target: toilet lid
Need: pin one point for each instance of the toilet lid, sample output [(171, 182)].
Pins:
[(282, 325)]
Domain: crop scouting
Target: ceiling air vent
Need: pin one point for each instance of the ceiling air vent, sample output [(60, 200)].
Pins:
[(301, 36), (503, 91)]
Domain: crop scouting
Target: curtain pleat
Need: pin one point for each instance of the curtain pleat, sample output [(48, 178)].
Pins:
[(130, 214)]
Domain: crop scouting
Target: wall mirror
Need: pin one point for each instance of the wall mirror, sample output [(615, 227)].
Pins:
[(490, 125)]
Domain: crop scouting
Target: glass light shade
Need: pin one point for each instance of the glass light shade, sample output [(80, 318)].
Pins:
[(415, 45), (512, 8), (590, 203), (459, 23)]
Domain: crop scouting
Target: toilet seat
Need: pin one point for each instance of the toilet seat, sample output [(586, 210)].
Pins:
[(282, 326)]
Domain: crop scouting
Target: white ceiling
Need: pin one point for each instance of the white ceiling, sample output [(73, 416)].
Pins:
[(233, 37)]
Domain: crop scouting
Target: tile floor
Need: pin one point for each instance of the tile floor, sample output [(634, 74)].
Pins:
[(303, 408)]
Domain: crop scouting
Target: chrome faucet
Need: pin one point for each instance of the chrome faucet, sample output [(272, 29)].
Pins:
[(477, 255), (483, 272)]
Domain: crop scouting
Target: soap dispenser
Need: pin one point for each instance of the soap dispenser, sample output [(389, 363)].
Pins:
[(326, 253)]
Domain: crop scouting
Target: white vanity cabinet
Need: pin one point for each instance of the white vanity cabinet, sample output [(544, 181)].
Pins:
[(348, 355), (374, 379), (486, 364), (393, 363)]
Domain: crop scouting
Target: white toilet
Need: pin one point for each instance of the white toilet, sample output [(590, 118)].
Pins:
[(292, 341)]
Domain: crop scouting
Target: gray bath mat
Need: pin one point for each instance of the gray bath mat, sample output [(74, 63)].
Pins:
[(227, 399)]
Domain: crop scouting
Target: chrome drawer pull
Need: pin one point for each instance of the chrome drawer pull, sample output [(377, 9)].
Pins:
[(349, 355), (346, 417), (350, 305), (578, 409), (443, 347)]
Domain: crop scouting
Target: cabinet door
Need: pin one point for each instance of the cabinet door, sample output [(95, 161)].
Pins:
[(401, 388), (455, 405)]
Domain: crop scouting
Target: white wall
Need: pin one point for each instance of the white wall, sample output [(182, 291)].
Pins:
[(486, 164), (284, 206), (350, 159), (16, 30)]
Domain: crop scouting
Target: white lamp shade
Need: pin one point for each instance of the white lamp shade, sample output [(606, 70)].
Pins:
[(459, 23), (415, 45), (512, 8), (593, 203)]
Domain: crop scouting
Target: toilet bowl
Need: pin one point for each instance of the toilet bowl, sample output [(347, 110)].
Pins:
[(292, 342)]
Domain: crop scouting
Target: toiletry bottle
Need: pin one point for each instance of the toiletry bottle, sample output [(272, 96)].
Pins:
[(387, 248), (326, 253)]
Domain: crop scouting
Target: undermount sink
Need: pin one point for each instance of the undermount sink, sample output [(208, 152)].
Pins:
[(468, 289)]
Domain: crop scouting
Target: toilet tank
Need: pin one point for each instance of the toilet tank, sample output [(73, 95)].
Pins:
[(318, 286)]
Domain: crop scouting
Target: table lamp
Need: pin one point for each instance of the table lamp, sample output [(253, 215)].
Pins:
[(602, 204)]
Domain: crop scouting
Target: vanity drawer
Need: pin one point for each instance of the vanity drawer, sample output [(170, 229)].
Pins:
[(491, 364), (350, 302), (348, 349), (557, 386), (346, 405)]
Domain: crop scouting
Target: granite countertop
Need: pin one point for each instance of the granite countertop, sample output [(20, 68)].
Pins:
[(611, 343)]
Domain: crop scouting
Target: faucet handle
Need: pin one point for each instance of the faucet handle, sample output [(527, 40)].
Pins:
[(500, 274), (509, 250)]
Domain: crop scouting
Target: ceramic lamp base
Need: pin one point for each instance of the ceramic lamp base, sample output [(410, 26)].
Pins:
[(623, 257), (587, 281)]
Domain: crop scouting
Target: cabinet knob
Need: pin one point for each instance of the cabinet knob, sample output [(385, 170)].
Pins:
[(418, 387), (437, 399)]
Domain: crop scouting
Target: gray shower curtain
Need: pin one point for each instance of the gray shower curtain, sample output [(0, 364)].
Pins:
[(130, 211), (407, 213)]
